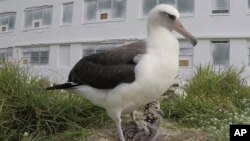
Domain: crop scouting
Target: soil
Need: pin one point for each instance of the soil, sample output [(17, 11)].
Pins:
[(171, 132)]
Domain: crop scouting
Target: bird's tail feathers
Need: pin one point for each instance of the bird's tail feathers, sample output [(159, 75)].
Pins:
[(66, 85)]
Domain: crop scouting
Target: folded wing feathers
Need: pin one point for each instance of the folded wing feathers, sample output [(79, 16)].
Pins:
[(105, 70)]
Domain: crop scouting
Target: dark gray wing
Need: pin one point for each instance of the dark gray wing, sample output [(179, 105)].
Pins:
[(108, 69)]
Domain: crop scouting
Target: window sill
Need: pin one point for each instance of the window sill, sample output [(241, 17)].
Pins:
[(7, 32), (104, 21), (220, 14), (141, 17), (39, 66), (35, 29), (65, 25), (187, 16), (220, 66)]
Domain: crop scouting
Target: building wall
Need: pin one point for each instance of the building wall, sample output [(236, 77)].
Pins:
[(203, 24)]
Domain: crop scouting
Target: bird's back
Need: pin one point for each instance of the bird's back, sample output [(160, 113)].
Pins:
[(108, 69)]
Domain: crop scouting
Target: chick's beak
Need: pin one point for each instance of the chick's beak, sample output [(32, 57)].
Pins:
[(179, 28), (161, 113)]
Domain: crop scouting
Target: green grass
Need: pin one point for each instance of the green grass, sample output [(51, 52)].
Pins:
[(26, 107), (216, 99)]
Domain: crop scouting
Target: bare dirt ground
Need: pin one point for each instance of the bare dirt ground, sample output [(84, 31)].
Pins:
[(172, 134)]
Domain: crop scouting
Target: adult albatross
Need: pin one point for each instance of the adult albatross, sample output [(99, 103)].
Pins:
[(122, 79)]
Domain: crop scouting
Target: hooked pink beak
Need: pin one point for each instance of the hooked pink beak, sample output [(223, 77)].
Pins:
[(179, 28)]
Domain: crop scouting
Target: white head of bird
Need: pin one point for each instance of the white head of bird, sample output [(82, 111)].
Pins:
[(168, 17)]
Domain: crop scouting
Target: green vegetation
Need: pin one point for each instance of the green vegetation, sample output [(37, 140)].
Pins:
[(26, 108), (216, 99)]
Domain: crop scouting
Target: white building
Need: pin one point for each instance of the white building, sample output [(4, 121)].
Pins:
[(51, 36)]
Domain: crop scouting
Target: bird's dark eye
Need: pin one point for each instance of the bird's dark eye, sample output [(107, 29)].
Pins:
[(172, 17)]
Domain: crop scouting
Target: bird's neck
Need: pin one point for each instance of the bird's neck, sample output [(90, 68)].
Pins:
[(162, 38)]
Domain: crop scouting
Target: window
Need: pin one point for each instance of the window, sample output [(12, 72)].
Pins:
[(35, 55), (67, 13), (103, 10), (220, 53), (37, 18), (249, 56), (87, 52), (185, 7), (7, 22), (248, 43), (220, 6), (147, 5), (5, 54), (186, 55), (92, 49), (64, 56), (249, 5), (98, 48)]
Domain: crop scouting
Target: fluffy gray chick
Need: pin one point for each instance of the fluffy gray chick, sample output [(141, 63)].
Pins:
[(146, 129)]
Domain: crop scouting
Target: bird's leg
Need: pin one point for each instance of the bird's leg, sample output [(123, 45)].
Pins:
[(118, 122)]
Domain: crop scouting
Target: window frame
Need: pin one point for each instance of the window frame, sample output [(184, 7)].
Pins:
[(211, 52), (248, 50), (89, 49), (187, 45), (248, 56), (101, 47), (248, 6), (59, 56), (39, 49), (157, 3), (62, 14), (220, 14), (111, 19), (6, 52), (9, 14), (94, 48), (42, 26)]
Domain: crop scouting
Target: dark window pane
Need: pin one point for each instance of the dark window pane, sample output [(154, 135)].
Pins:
[(119, 9), (12, 21), (67, 13), (28, 19), (170, 2), (186, 6), (220, 6), (220, 53), (87, 52), (37, 14), (90, 7), (147, 5), (4, 20), (44, 60), (104, 4), (47, 16)]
